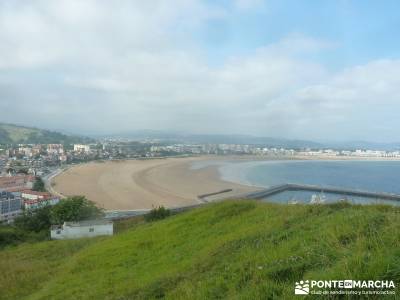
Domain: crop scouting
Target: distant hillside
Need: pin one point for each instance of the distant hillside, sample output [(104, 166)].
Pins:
[(179, 137), (14, 134), (222, 139), (230, 250)]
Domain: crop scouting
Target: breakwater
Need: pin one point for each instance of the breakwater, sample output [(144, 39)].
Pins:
[(319, 189)]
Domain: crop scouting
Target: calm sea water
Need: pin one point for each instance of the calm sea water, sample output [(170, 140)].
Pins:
[(374, 176)]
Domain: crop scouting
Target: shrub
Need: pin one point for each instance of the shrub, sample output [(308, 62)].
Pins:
[(39, 185), (157, 214), (10, 236)]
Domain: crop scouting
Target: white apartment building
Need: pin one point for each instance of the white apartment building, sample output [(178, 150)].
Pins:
[(55, 149), (81, 148)]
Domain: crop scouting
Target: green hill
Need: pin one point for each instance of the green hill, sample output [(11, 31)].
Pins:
[(230, 250), (14, 134)]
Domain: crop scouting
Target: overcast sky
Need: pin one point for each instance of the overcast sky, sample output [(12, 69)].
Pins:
[(321, 70)]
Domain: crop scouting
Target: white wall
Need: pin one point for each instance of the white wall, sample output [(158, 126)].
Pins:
[(74, 232)]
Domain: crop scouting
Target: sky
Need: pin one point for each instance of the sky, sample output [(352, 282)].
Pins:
[(316, 70)]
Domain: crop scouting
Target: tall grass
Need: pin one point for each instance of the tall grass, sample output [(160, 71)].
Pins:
[(230, 250)]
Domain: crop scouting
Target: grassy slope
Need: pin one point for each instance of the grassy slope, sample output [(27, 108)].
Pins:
[(18, 133), (235, 250)]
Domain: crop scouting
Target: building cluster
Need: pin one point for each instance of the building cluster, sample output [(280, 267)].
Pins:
[(356, 153), (177, 148), (231, 149), (16, 195), (33, 200), (220, 149), (40, 159)]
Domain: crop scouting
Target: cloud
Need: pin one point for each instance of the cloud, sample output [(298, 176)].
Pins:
[(98, 66), (45, 32), (355, 103)]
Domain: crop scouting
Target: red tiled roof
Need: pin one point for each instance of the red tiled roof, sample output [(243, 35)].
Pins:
[(15, 181)]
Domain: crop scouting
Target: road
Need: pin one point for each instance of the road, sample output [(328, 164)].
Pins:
[(47, 179)]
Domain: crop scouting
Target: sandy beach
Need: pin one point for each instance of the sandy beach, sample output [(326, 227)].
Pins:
[(143, 184)]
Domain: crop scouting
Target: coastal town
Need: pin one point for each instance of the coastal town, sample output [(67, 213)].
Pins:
[(40, 159), (199, 150), (23, 166)]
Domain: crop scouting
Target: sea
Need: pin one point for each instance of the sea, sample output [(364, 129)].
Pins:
[(372, 176)]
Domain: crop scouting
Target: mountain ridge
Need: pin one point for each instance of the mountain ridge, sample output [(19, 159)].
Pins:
[(20, 134)]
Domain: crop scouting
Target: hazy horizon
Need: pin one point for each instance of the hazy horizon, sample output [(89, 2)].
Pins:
[(171, 134), (283, 69)]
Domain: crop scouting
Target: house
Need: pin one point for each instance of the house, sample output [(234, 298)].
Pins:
[(75, 230), (33, 199), (34, 195), (10, 206), (38, 203)]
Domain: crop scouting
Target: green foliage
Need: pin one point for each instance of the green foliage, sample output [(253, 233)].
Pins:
[(157, 214), (35, 220), (39, 185), (69, 209), (229, 250), (12, 236), (74, 209), (34, 225)]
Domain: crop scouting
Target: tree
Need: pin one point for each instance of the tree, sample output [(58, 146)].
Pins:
[(39, 185), (34, 220), (75, 209), (70, 209)]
